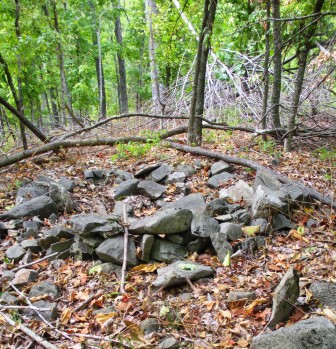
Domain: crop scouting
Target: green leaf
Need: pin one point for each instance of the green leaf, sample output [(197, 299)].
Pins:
[(95, 269), (252, 230), (164, 311), (300, 230), (227, 260), (187, 266)]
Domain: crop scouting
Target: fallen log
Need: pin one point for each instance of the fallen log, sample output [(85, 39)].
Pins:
[(314, 194)]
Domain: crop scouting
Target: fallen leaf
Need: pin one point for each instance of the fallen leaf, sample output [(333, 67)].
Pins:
[(66, 316)]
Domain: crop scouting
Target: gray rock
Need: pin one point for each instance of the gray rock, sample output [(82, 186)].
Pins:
[(181, 188), (6, 275), (67, 184), (215, 181), (151, 189), (90, 224), (93, 241), (168, 343), (15, 252), (53, 218), (241, 216), (220, 167), (146, 247), (188, 170), (42, 207), (224, 218), (30, 190), (268, 201), (266, 179), (198, 245), (47, 240), (61, 246), (146, 169), (232, 231), (198, 164), (176, 273), (168, 221), (105, 310), (284, 298), (27, 258), (204, 226), (166, 251), (44, 288), (32, 224), (238, 295), (122, 176), (161, 172), (262, 223), (8, 298), (81, 251), (149, 326), (175, 177), (61, 232), (280, 221), (325, 292), (50, 314), (23, 277), (241, 190), (61, 197), (175, 238), (313, 333), (251, 244), (126, 188), (298, 196), (217, 207), (221, 245), (31, 245), (108, 268), (112, 250), (193, 202)]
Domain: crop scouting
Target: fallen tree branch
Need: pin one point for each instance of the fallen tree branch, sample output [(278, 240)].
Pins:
[(314, 194), (28, 332)]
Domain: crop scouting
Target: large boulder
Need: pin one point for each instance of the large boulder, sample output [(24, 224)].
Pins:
[(112, 250), (167, 221), (325, 292), (178, 273), (313, 333), (91, 224), (42, 207)]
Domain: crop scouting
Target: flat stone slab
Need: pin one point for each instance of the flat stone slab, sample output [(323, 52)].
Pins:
[(90, 224), (166, 251), (215, 181), (160, 173), (151, 189), (42, 207), (167, 221), (24, 276), (220, 167), (313, 333), (146, 169), (204, 226), (15, 252), (126, 188), (176, 177), (232, 231), (193, 202), (176, 273), (221, 245)]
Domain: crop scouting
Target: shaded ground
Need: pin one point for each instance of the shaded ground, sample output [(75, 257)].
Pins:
[(203, 319)]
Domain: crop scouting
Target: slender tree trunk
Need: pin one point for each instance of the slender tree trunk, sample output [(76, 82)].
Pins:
[(66, 97), (197, 102), (19, 101), (266, 67), (158, 104), (277, 70), (96, 41), (123, 98), (54, 109), (303, 52)]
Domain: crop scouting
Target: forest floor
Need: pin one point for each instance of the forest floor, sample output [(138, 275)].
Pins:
[(205, 319)]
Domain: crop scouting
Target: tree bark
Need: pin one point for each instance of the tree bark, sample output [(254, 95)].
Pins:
[(302, 54), (266, 67), (123, 98), (277, 69), (197, 102)]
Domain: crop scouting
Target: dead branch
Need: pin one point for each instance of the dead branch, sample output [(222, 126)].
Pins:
[(28, 332), (35, 262), (314, 194)]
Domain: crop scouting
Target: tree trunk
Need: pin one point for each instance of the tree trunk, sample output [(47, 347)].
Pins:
[(277, 70), (197, 102), (19, 100), (123, 99), (266, 67), (303, 52), (158, 104), (98, 61)]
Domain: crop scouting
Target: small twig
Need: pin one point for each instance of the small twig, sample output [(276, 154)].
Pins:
[(18, 307), (86, 302), (29, 332), (190, 284), (124, 265), (39, 314), (35, 262)]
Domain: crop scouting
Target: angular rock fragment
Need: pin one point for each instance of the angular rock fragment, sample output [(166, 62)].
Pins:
[(44, 288), (23, 277), (160, 173), (204, 226), (126, 188), (221, 245), (175, 177), (151, 189), (220, 167), (15, 252), (325, 292), (146, 169), (215, 181), (179, 271), (166, 251), (232, 231)]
